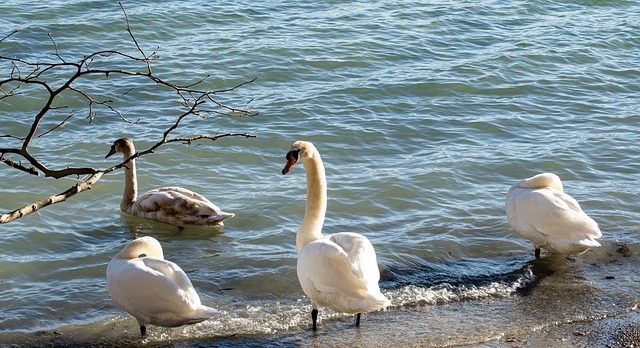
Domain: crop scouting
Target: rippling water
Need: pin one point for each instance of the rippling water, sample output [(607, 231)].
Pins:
[(424, 113)]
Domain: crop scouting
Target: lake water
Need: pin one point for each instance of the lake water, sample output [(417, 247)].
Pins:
[(425, 113)]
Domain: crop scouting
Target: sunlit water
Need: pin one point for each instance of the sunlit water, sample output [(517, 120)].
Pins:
[(424, 113)]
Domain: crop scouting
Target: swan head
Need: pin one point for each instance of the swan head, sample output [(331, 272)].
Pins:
[(123, 145), (300, 150), (143, 246), (543, 180)]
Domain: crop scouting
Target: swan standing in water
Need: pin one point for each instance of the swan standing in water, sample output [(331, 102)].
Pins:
[(338, 271), (172, 205), (153, 290), (539, 209)]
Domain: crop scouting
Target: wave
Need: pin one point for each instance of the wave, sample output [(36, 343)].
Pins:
[(463, 280)]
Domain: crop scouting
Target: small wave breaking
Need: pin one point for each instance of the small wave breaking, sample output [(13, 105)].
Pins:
[(463, 280)]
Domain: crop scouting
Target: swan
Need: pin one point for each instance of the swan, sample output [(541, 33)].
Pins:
[(539, 209), (172, 205), (153, 290), (340, 270)]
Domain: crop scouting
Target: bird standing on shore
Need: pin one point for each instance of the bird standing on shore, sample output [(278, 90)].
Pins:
[(340, 270), (539, 209), (153, 290)]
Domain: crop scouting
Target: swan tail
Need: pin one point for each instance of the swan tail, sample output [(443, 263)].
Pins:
[(201, 314), (170, 319), (588, 242), (370, 303), (380, 301), (219, 217), (206, 312), (578, 246)]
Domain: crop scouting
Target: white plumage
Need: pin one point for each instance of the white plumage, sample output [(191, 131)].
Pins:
[(338, 271), (539, 209), (153, 290), (172, 205)]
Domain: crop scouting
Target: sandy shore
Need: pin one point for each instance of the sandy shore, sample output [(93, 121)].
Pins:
[(614, 332), (617, 331)]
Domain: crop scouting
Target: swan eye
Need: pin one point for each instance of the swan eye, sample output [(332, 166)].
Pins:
[(293, 154), (142, 255), (292, 158)]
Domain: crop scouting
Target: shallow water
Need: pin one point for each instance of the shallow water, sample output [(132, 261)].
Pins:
[(424, 113)]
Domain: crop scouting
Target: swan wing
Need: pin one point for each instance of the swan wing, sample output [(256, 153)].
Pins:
[(340, 271), (551, 213), (327, 266), (360, 254), (174, 277), (178, 205)]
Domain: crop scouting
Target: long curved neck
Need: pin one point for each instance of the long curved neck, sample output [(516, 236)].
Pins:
[(130, 183), (316, 206)]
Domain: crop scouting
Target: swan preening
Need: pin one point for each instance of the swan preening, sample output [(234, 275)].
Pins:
[(539, 209), (338, 271), (153, 290), (172, 205)]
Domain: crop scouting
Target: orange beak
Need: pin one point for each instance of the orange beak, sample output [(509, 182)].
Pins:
[(292, 158)]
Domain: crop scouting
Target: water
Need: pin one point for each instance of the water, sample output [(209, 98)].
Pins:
[(424, 113)]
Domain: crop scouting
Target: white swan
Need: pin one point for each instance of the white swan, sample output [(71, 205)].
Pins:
[(153, 290), (538, 209), (338, 271), (172, 205)]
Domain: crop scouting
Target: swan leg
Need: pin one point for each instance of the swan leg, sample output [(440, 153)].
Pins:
[(143, 330), (314, 318), (358, 320), (537, 253)]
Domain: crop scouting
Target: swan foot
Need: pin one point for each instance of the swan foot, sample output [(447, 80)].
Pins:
[(143, 330), (314, 318), (358, 320)]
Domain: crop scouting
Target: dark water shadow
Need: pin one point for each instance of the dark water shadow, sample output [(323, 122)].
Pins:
[(139, 227), (473, 272)]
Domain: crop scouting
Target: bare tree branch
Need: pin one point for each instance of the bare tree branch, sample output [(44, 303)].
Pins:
[(61, 124), (91, 69), (61, 197), (146, 58), (55, 46), (13, 32), (88, 183), (19, 166)]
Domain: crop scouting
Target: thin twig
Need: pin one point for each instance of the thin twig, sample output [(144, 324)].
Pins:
[(61, 124), (13, 32), (55, 46)]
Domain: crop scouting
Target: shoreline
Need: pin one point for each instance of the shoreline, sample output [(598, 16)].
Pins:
[(621, 330), (589, 301), (617, 331)]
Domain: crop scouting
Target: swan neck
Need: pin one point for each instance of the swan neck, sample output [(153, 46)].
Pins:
[(316, 205), (139, 248), (130, 183)]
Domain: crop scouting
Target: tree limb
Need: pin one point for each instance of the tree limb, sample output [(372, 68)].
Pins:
[(61, 197), (62, 75)]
